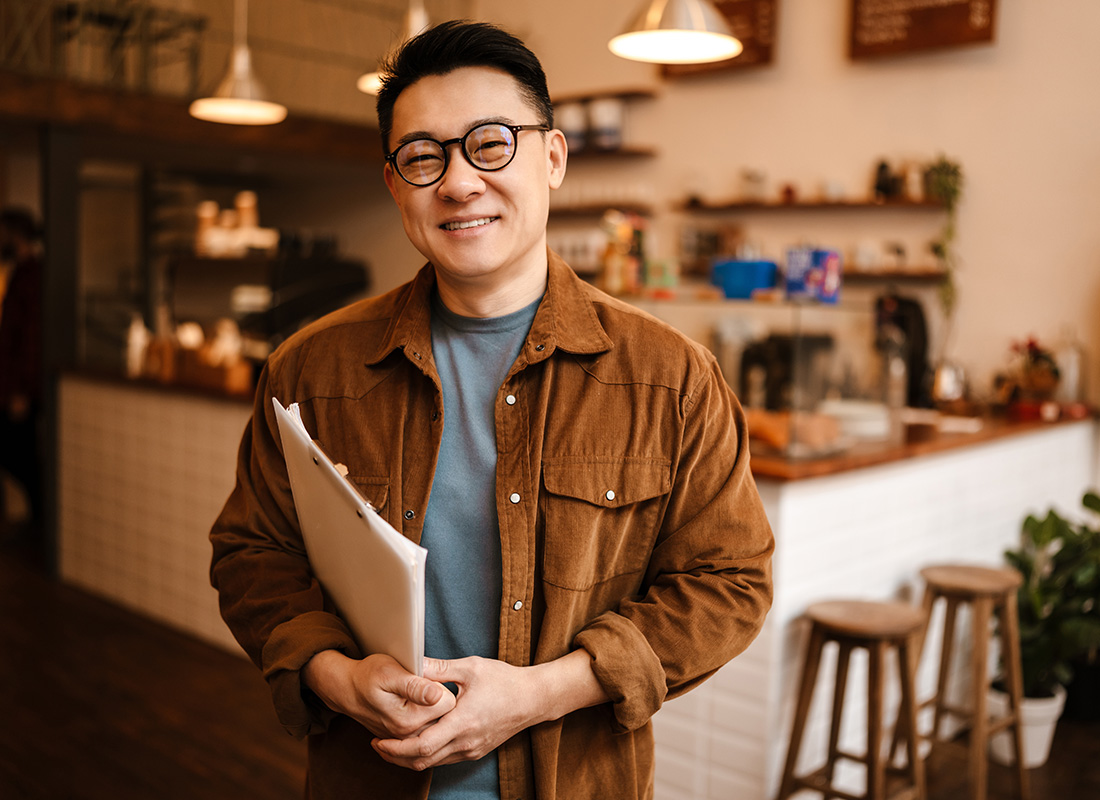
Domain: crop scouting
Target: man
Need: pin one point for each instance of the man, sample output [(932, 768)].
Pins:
[(577, 470), (21, 355)]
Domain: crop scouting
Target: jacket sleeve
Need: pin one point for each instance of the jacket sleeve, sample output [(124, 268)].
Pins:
[(267, 593), (708, 585)]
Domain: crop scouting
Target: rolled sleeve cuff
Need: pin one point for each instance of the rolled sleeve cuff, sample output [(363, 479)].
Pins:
[(626, 667), (290, 646)]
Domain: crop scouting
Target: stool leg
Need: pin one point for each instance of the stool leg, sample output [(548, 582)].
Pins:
[(908, 650), (927, 602), (1010, 647), (802, 709), (876, 764), (950, 613), (979, 732), (841, 686)]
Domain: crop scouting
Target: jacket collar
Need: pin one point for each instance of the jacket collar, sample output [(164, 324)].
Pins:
[(566, 318)]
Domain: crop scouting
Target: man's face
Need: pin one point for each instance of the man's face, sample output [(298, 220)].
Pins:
[(506, 244)]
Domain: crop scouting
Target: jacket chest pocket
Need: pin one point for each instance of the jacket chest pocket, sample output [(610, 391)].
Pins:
[(600, 518)]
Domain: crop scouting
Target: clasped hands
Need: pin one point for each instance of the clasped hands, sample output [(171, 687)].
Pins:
[(417, 722)]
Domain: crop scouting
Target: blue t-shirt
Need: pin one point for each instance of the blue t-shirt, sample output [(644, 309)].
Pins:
[(463, 586)]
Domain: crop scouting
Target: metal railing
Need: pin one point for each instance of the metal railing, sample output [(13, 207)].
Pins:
[(124, 44)]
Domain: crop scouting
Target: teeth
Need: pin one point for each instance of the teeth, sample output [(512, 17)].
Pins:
[(457, 226)]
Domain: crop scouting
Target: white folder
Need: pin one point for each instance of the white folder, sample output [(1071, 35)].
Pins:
[(373, 574)]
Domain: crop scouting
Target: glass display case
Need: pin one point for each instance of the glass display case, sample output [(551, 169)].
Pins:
[(815, 380)]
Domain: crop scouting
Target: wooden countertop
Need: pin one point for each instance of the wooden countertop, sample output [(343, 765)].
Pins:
[(162, 387), (920, 441)]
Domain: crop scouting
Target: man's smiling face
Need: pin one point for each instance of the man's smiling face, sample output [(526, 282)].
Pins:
[(485, 232)]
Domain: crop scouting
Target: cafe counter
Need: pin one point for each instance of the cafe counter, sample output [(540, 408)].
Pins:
[(144, 471)]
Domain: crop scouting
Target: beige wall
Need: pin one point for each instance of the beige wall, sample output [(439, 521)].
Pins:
[(1021, 116)]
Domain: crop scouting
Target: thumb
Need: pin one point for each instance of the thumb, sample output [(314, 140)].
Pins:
[(440, 670), (424, 691)]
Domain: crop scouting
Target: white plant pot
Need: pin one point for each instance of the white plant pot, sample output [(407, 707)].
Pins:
[(1038, 716)]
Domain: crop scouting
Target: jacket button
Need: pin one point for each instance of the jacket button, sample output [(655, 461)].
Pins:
[(540, 347), (409, 513), (510, 399), (610, 494), (514, 497), (435, 416), (516, 606)]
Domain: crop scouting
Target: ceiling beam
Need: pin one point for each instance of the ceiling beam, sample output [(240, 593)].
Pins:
[(100, 110)]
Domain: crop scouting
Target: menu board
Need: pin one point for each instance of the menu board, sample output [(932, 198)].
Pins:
[(889, 27), (753, 23)]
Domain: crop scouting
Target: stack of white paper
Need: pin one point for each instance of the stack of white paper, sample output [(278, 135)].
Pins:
[(374, 575)]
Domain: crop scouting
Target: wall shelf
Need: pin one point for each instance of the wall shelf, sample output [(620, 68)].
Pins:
[(626, 151), (630, 93), (694, 204), (598, 210), (923, 274)]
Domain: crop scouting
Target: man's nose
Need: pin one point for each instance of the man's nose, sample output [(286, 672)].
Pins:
[(461, 180)]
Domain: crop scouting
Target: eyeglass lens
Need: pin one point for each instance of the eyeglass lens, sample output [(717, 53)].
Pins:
[(487, 147)]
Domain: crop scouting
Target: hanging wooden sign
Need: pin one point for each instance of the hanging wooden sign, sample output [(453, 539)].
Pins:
[(753, 22), (889, 27)]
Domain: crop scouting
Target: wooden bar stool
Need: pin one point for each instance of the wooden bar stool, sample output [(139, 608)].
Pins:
[(987, 591), (875, 627)]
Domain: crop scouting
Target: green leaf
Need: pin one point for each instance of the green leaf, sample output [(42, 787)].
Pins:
[(1092, 501)]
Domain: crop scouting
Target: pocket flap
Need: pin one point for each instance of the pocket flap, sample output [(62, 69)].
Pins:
[(374, 490), (610, 483)]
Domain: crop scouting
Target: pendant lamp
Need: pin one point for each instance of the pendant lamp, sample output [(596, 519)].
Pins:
[(239, 98), (677, 32), (416, 20)]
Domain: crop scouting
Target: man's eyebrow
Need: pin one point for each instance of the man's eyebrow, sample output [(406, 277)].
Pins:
[(412, 136)]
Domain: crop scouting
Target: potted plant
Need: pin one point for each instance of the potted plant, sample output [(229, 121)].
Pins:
[(1059, 610), (943, 181)]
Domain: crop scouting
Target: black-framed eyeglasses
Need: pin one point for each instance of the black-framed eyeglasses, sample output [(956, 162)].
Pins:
[(489, 147)]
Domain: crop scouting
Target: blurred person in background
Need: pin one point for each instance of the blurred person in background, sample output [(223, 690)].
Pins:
[(21, 356)]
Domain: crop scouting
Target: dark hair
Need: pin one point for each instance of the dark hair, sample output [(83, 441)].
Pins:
[(21, 222), (455, 44)]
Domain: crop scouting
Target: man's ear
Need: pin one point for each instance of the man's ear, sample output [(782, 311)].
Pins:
[(391, 179), (557, 153)]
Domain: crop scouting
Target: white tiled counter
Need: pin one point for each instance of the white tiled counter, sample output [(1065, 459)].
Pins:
[(863, 533), (143, 473)]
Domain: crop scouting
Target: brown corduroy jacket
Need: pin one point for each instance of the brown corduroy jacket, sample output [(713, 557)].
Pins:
[(638, 533)]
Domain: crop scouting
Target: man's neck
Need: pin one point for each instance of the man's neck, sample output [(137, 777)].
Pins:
[(475, 300)]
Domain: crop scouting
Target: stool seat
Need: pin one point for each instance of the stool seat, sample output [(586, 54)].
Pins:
[(866, 619), (971, 579)]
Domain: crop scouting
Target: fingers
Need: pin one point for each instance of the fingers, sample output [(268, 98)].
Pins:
[(433, 746)]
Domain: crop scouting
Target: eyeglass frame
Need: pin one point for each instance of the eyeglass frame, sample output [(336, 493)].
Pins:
[(445, 145)]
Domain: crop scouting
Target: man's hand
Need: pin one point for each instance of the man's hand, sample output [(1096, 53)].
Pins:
[(495, 701), (377, 692)]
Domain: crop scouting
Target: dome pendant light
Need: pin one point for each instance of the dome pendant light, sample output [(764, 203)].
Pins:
[(677, 32), (416, 20), (239, 98)]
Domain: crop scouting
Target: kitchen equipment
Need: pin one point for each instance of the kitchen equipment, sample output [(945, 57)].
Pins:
[(900, 326)]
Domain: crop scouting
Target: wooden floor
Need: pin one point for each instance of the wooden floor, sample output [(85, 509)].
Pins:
[(98, 702)]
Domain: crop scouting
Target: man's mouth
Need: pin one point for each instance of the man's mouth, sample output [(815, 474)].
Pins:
[(471, 223)]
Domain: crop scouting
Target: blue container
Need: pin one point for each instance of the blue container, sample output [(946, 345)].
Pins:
[(739, 279)]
